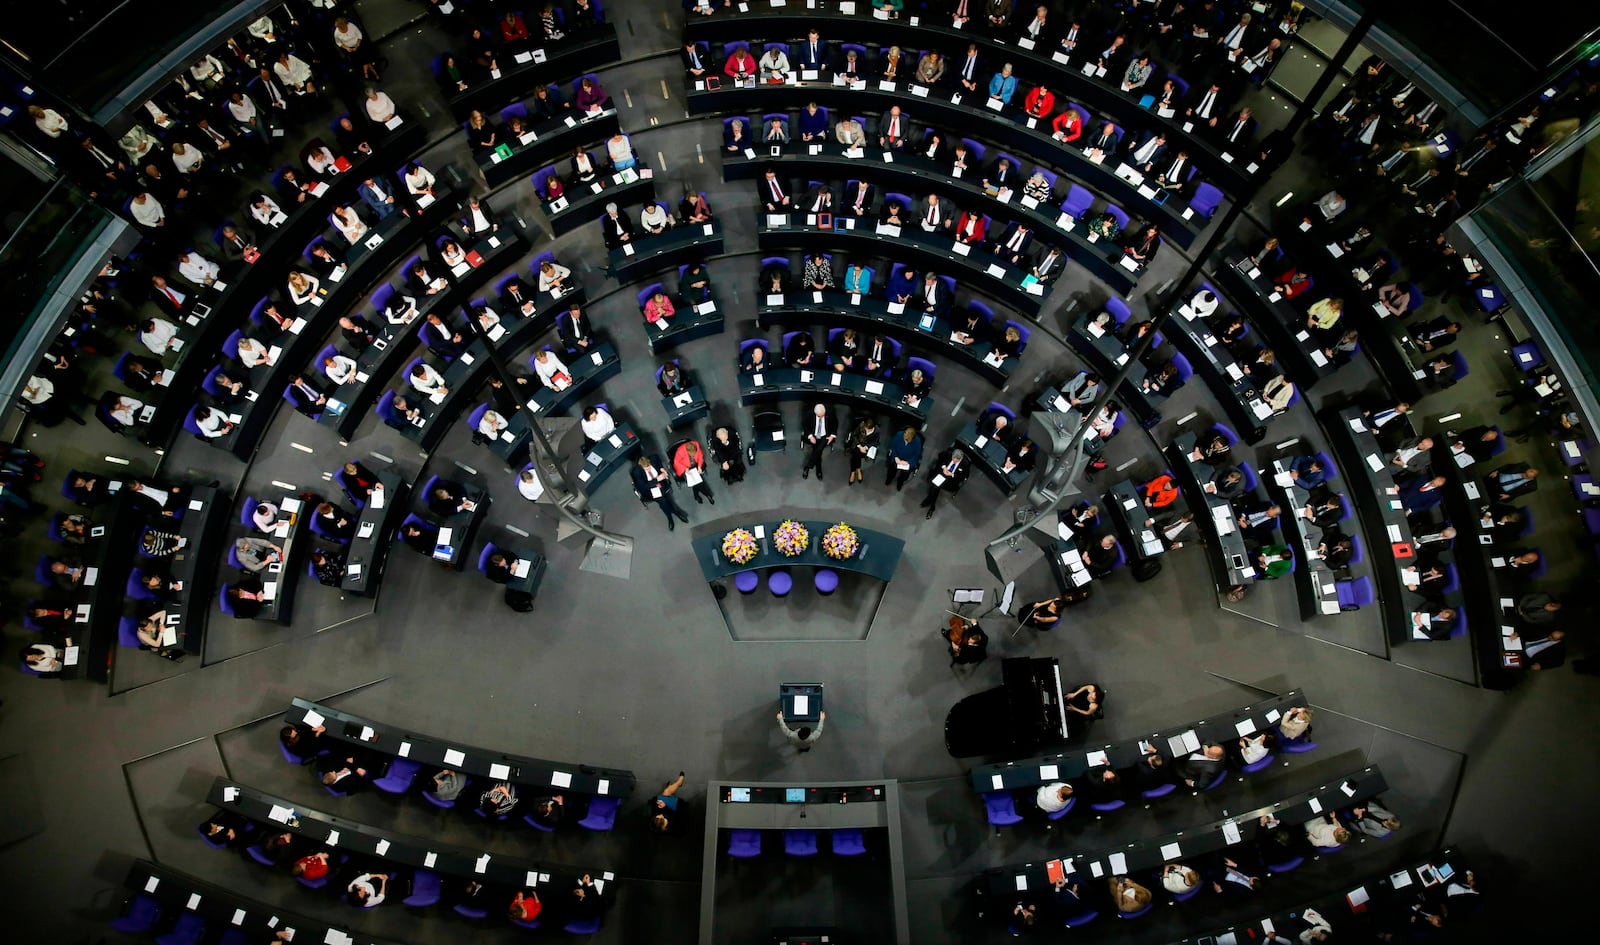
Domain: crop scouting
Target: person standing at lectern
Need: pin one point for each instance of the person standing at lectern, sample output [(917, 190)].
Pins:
[(804, 736)]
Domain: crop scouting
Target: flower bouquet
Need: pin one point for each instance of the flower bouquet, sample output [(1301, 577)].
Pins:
[(739, 546), (841, 542), (791, 538)]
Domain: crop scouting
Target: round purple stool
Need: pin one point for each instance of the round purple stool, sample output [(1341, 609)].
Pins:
[(779, 583), (747, 581), (827, 581)]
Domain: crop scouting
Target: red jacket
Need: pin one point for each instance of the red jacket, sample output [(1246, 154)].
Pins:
[(1041, 101), (979, 227)]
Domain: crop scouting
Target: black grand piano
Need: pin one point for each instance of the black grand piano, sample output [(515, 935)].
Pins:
[(1021, 717)]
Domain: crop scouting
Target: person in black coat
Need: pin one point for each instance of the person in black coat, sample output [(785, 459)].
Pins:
[(335, 522), (447, 498), (948, 473), (820, 428), (727, 453), (575, 329), (653, 483), (244, 596), (420, 537), (498, 569), (615, 227)]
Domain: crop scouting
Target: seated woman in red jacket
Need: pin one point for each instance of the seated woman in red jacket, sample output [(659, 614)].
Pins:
[(525, 906), (1068, 125), (689, 456), (1160, 492)]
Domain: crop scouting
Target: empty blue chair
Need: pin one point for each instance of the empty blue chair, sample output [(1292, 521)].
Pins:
[(1526, 356), (1452, 580), (744, 844), (602, 814), (1001, 809), (779, 582), (1221, 777), (826, 581), (582, 926), (1459, 369), (1106, 807), (188, 930), (537, 824), (470, 911), (1355, 593), (1078, 201), (128, 632), (848, 842), (142, 915), (255, 852), (1160, 790), (425, 889), (397, 780), (1080, 918), (1205, 200), (800, 842), (747, 582), (1289, 862)]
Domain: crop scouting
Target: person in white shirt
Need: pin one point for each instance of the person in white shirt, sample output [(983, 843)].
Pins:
[(208, 71), (620, 150), (349, 224), (340, 369), (147, 210), (320, 160), (347, 36), (547, 366), (48, 120), (400, 310), (158, 334), (187, 158), (293, 72), (38, 390), (487, 319), (529, 485), (1331, 204), (551, 275), (380, 107), (264, 210), (262, 29), (597, 424), (1253, 748), (125, 410), (654, 218), (197, 269), (1204, 303), (253, 353), (212, 423), (367, 889), (1053, 797), (242, 108), (427, 380), (302, 286), (419, 180), (480, 221), (491, 424), (452, 254), (774, 64)]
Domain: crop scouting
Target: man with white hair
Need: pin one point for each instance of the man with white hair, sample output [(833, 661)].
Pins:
[(822, 428)]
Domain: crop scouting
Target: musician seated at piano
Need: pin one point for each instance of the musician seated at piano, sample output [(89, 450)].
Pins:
[(1084, 704), (1202, 767), (1052, 797)]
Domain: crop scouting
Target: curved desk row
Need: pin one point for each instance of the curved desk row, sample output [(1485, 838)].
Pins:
[(921, 251), (453, 546), (871, 394), (877, 555), (683, 243), (1173, 743), (703, 321), (350, 403), (98, 600), (602, 459), (1238, 393), (1330, 266), (1149, 854), (386, 244), (1105, 354), (627, 191), (292, 533), (1281, 325), (368, 550), (195, 567), (578, 53), (1124, 505), (466, 863), (1488, 604), (435, 753), (222, 908), (990, 457), (1383, 517), (1225, 552), (1231, 172), (246, 283), (544, 144), (1313, 579), (835, 309), (916, 175), (588, 372)]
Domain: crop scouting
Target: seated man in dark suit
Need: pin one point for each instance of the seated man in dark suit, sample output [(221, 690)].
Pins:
[(1511, 480), (948, 473), (441, 339), (302, 741), (518, 298), (1419, 493), (245, 596), (996, 426), (358, 481), (1102, 785), (773, 193), (498, 569), (345, 772), (421, 538), (801, 350), (821, 428), (305, 396), (449, 497), (858, 199), (1201, 768), (335, 522), (1101, 557)]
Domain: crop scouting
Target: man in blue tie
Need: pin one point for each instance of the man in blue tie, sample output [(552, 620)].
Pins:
[(813, 53)]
